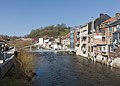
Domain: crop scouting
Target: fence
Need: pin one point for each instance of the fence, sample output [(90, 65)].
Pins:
[(6, 63)]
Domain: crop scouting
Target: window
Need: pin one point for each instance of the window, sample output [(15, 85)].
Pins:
[(91, 48), (119, 35), (104, 48), (99, 48), (110, 29), (88, 48), (103, 38), (88, 39)]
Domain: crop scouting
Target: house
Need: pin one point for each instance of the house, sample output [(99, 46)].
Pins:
[(96, 36), (84, 40), (4, 40), (89, 38), (38, 41), (106, 34), (57, 43), (77, 40), (114, 28), (65, 41)]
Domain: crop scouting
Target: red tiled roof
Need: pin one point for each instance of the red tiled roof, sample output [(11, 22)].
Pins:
[(66, 36), (110, 20)]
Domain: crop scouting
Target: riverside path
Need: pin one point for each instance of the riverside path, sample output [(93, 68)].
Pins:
[(70, 70)]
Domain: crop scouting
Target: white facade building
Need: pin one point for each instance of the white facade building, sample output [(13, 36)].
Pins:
[(84, 40)]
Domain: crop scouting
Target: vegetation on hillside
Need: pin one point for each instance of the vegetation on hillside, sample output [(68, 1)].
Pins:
[(51, 31)]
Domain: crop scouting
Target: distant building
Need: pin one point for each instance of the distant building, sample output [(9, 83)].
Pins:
[(72, 44), (65, 41), (84, 40), (77, 40)]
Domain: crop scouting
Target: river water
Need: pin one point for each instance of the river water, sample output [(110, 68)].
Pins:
[(70, 70)]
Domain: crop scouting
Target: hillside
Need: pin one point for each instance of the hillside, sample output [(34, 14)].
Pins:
[(51, 31)]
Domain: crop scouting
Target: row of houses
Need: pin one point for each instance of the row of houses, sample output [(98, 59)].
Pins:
[(53, 43), (99, 37)]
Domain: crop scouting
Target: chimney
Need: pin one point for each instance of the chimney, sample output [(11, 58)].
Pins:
[(101, 14), (117, 15)]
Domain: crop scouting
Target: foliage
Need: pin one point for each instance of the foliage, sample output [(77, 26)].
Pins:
[(51, 31), (12, 82), (26, 62), (18, 43)]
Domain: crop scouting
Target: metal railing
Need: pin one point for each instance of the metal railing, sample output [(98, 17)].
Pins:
[(6, 66), (5, 56)]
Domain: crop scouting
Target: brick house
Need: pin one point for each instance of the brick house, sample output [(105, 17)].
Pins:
[(96, 36)]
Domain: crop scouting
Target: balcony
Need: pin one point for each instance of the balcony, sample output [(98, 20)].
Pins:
[(100, 42), (84, 39), (77, 42), (78, 36), (99, 34)]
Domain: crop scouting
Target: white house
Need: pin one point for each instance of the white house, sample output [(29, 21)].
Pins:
[(84, 40)]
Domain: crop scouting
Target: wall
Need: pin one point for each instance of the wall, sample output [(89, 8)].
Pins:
[(84, 41)]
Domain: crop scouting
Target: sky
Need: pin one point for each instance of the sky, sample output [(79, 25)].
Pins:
[(19, 17)]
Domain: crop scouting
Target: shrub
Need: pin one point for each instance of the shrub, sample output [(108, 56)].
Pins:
[(26, 62)]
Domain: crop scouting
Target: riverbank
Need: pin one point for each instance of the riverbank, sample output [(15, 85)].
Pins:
[(112, 62), (14, 77), (21, 73)]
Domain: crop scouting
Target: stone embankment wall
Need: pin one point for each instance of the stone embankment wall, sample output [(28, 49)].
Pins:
[(113, 62)]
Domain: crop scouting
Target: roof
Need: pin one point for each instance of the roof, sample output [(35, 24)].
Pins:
[(101, 19), (109, 20), (66, 36), (98, 20), (114, 23)]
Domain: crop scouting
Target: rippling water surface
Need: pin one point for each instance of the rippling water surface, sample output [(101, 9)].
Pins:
[(65, 70)]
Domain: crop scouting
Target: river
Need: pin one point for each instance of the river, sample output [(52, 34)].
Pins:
[(71, 70)]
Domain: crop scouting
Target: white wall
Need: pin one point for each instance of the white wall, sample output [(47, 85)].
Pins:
[(55, 46), (47, 40), (105, 48), (41, 41), (84, 32)]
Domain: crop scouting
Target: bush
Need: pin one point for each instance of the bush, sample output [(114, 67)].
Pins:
[(26, 62)]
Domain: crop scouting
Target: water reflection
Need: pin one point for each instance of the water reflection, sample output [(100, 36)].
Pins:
[(65, 70)]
